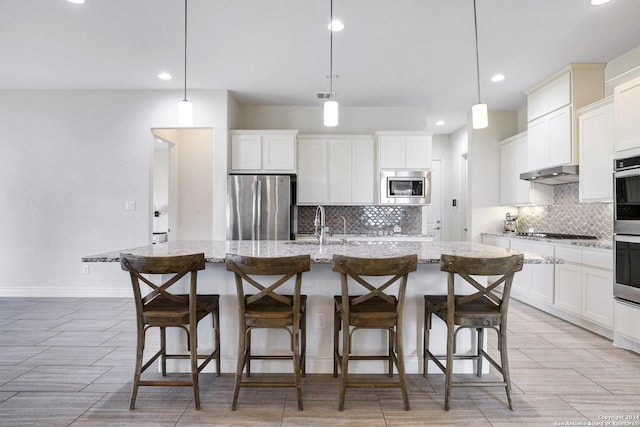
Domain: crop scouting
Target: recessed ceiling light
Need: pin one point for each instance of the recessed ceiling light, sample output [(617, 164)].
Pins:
[(336, 25), (440, 123), (599, 2), (164, 76), (497, 78), (77, 1)]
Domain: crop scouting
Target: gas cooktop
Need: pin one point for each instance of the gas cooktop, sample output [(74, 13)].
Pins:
[(559, 236)]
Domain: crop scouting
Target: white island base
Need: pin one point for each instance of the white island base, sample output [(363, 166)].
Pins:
[(320, 285)]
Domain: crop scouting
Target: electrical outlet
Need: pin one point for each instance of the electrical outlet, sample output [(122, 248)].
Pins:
[(85, 268), (130, 206), (321, 320)]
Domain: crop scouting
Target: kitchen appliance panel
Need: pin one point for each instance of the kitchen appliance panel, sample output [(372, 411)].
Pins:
[(259, 207), (626, 261), (626, 196), (405, 187)]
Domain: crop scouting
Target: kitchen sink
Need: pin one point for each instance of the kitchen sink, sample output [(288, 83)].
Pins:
[(315, 242)]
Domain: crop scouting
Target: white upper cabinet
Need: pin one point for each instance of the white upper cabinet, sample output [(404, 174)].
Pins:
[(404, 150), (255, 151), (513, 190), (551, 111), (313, 177), (627, 111), (596, 151), (551, 96), (335, 169)]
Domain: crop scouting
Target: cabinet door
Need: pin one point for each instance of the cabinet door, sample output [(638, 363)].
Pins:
[(569, 288), (560, 152), (312, 171), (362, 171), (627, 115), (535, 281), (513, 162), (246, 152), (538, 146), (596, 155), (418, 152), (340, 171), (537, 104), (392, 152), (559, 92), (597, 298), (279, 153)]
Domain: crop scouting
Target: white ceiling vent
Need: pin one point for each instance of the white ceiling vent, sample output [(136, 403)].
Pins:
[(324, 95)]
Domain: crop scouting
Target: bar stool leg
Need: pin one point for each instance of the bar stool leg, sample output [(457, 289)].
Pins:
[(346, 350), (242, 348), (480, 342)]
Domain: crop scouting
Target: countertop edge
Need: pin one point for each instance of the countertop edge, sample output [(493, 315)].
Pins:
[(215, 251)]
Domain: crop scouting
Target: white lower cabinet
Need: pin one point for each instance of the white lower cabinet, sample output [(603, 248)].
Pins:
[(579, 290), (584, 284), (627, 318), (535, 283)]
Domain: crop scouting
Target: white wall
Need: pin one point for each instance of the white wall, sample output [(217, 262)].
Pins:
[(70, 161), (484, 172), (353, 120), (458, 147)]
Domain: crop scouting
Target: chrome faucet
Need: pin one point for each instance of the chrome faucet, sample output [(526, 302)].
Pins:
[(319, 222), (344, 228)]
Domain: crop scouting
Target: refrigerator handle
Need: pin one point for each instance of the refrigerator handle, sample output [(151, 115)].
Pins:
[(258, 216)]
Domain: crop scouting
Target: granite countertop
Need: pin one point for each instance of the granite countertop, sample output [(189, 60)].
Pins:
[(587, 243), (215, 250)]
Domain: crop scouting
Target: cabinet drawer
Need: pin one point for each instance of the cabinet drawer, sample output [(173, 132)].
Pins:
[(627, 318), (529, 246), (569, 254), (600, 259)]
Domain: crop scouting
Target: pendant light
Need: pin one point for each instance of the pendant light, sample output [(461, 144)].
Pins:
[(185, 108), (479, 113), (331, 106)]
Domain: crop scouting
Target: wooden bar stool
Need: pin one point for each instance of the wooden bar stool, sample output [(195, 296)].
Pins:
[(376, 309), (270, 309), (160, 308), (485, 308)]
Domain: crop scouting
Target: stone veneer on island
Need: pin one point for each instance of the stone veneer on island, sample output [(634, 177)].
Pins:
[(320, 284)]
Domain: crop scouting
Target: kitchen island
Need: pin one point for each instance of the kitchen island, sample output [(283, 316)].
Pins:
[(321, 284)]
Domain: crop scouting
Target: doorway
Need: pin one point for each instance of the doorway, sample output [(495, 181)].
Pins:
[(183, 194), (434, 211)]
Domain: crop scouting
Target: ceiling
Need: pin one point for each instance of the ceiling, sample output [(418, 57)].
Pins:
[(392, 53)]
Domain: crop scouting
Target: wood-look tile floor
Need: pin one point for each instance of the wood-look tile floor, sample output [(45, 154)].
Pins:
[(68, 362)]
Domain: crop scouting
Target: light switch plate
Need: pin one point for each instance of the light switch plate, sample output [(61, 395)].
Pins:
[(130, 206)]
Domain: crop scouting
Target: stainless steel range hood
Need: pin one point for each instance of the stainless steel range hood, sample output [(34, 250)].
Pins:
[(553, 176)]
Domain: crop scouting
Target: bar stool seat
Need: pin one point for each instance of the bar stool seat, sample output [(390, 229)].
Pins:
[(270, 309), (376, 309), (161, 308), (486, 307)]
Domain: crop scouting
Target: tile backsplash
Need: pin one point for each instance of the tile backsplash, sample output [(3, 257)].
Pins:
[(370, 220), (568, 215)]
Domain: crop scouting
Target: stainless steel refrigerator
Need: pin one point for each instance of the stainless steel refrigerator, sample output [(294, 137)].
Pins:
[(260, 207)]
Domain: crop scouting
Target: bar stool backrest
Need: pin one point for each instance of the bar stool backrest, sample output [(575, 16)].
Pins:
[(502, 269)]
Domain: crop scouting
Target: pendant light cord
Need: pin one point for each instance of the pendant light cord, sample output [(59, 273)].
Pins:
[(475, 21), (185, 50), (331, 52)]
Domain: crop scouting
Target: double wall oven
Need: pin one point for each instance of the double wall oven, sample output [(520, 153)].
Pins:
[(626, 227)]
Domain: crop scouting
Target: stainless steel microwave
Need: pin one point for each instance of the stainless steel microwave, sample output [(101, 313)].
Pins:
[(405, 187)]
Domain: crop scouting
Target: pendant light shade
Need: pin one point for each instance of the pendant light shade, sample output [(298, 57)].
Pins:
[(479, 116), (330, 109), (479, 113), (185, 108), (331, 113), (185, 113)]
